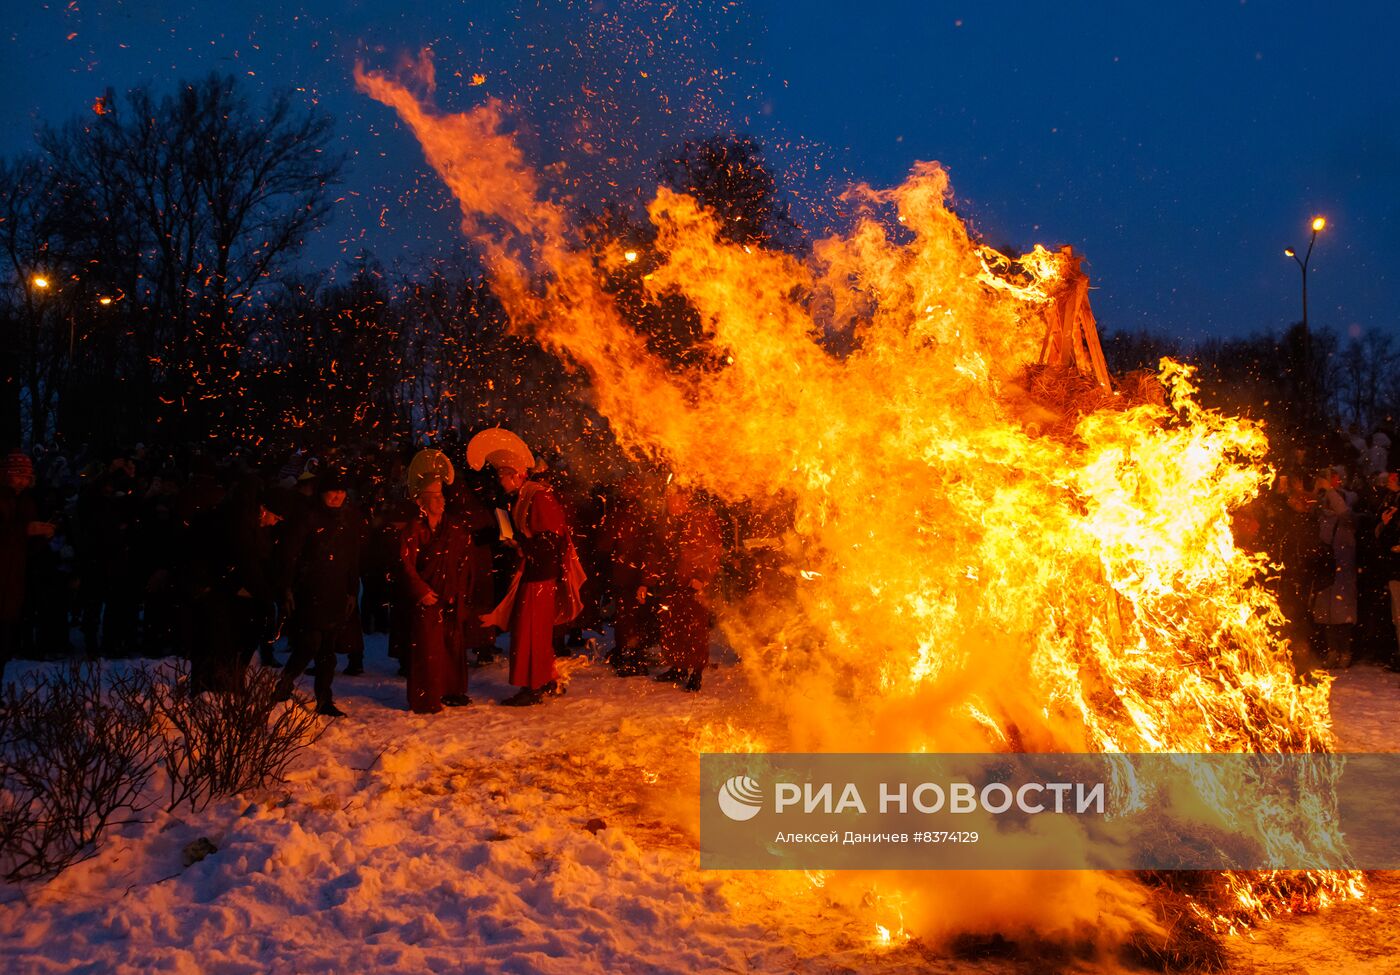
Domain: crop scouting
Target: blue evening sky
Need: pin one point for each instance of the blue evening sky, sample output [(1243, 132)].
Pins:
[(1180, 146)]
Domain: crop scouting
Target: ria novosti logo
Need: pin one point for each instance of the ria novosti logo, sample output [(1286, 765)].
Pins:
[(740, 798)]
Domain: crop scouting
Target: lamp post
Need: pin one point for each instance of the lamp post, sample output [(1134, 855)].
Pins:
[(1318, 223), (41, 282)]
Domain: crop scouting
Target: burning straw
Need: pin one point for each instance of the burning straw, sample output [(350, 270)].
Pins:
[(961, 580)]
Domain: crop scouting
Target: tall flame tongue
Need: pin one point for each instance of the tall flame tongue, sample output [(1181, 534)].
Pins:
[(958, 582)]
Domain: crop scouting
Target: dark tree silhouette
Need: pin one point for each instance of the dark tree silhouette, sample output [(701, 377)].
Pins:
[(184, 207), (729, 176)]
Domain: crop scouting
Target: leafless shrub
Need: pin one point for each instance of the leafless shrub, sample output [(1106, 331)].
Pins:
[(79, 747), (75, 759), (232, 741)]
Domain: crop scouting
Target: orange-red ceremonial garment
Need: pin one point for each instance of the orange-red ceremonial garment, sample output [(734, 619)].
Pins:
[(437, 562)]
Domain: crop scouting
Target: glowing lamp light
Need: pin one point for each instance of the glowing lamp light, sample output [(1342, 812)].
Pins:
[(104, 300), (1318, 223), (1288, 252), (631, 257), (40, 281)]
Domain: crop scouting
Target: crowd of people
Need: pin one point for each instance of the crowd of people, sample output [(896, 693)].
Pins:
[(1334, 535), (221, 560)]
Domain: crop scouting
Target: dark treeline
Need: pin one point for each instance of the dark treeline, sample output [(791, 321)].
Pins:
[(150, 290), (1307, 385)]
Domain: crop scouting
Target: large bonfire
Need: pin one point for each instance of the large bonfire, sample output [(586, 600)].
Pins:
[(960, 578)]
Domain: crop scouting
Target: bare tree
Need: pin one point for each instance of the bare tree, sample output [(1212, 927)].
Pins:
[(29, 296), (186, 207), (729, 176), (1366, 369)]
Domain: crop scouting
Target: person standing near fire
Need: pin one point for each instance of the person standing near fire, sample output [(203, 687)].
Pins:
[(545, 590), (625, 541), (1334, 606), (435, 563), (1387, 533), (469, 512), (680, 576), (323, 556), (20, 527)]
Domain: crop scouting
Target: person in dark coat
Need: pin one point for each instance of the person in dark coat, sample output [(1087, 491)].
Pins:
[(435, 568), (396, 519), (256, 565), (1387, 535), (625, 540), (19, 524), (119, 559), (351, 638), (380, 561), (680, 575), (323, 556), (465, 509)]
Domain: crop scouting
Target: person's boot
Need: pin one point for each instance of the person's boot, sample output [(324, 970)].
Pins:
[(283, 692), (692, 680), (553, 689), (329, 709), (456, 700), (522, 698), (670, 676)]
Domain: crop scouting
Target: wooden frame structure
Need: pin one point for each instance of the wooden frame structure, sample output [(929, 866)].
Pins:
[(1071, 334)]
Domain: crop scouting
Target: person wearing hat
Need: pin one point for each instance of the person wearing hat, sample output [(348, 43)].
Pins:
[(435, 565), (678, 578), (18, 525), (323, 559), (545, 590)]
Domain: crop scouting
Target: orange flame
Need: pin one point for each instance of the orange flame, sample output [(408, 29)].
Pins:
[(957, 581)]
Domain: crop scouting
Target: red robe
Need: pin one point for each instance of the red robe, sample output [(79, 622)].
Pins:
[(439, 562), (679, 574), (545, 591)]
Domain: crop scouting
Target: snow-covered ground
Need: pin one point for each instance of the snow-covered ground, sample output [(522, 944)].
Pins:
[(1358, 937), (557, 839)]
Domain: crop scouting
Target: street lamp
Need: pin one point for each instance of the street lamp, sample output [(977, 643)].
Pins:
[(41, 282), (1318, 223), (1306, 380)]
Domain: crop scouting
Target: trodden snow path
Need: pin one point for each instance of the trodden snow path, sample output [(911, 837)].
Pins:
[(456, 842), (461, 842)]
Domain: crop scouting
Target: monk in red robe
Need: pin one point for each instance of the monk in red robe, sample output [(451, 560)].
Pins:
[(680, 574), (545, 591), (435, 566)]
